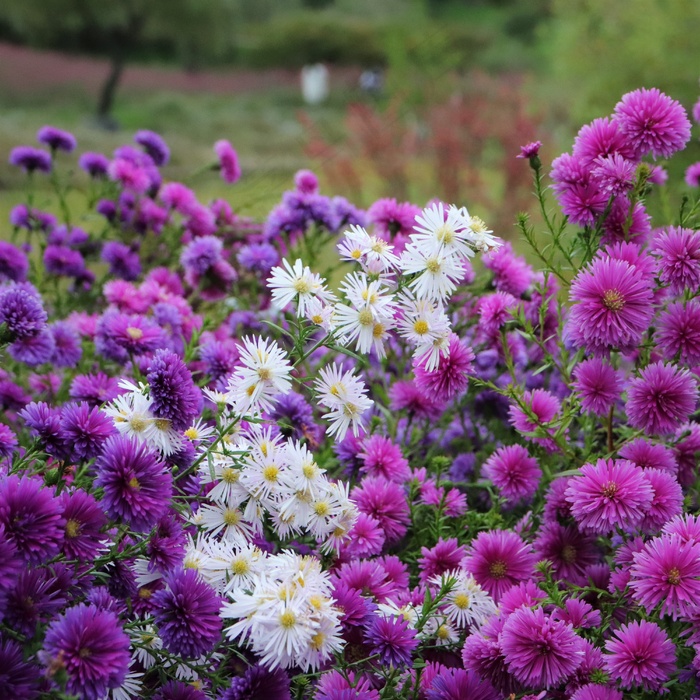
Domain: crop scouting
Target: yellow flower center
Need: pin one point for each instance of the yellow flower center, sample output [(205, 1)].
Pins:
[(72, 528), (230, 476), (365, 318), (301, 286), (232, 517), (322, 508), (265, 374), (134, 333), (462, 601), (240, 567), (162, 424), (674, 576), (498, 569), (421, 327), (134, 483), (432, 265), (613, 300), (445, 235), (288, 619), (138, 424), (317, 640), (271, 473)]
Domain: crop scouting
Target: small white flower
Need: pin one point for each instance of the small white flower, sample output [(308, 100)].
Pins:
[(296, 282), (449, 230), (264, 374), (438, 271), (344, 395)]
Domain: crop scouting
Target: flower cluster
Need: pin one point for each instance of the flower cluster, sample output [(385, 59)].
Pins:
[(327, 456)]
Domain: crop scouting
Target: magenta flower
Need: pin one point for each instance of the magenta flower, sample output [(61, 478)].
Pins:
[(692, 175), (667, 502), (640, 654), (679, 258), (598, 384), (386, 502), (92, 647), (381, 457), (498, 559), (451, 377), (678, 332), (609, 494), (666, 573), (228, 161), (540, 652), (569, 550), (653, 122), (601, 138), (612, 306), (647, 455), (513, 472), (661, 398), (544, 408)]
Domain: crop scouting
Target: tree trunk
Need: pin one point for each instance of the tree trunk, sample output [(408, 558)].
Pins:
[(108, 91)]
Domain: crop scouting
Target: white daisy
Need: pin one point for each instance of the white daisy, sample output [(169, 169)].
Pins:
[(437, 270), (448, 230), (264, 374), (295, 282)]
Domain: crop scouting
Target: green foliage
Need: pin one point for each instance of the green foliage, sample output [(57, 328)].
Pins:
[(191, 30), (597, 50)]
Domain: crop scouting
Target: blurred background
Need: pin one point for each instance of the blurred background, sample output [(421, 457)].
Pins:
[(404, 98)]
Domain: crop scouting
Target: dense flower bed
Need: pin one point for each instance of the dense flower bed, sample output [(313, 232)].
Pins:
[(223, 475)]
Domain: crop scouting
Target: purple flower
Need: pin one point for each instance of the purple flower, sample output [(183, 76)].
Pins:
[(678, 332), (96, 389), (259, 683), (94, 164), (692, 175), (119, 335), (187, 614), (511, 273), (18, 678), (499, 559), (640, 654), (85, 429), (598, 384), (609, 494), (445, 556), (347, 214), (92, 648), (258, 257), (21, 312), (540, 651), (653, 122), (61, 260), (530, 150), (612, 306), (13, 263), (166, 548), (123, 260), (85, 521), (174, 396), (228, 161), (56, 139), (645, 454), (455, 684), (34, 351), (154, 145), (201, 254), (8, 442), (177, 690), (137, 487), (177, 196), (67, 345), (392, 639), (295, 418), (661, 398), (382, 457), (679, 258), (44, 422), (31, 516), (513, 472), (30, 159)]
